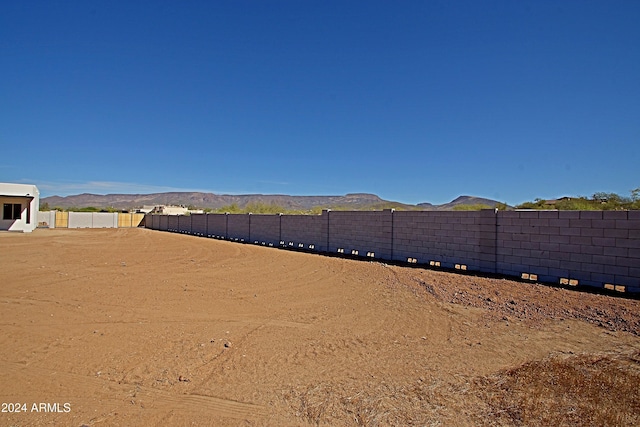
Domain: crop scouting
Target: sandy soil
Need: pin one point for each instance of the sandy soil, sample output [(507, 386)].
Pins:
[(138, 327)]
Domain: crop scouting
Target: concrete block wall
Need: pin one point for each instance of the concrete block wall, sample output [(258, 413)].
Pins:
[(364, 232), (238, 227), (47, 219), (163, 223), (591, 247), (305, 231), (152, 221), (53, 219), (486, 223), (465, 239), (525, 245), (217, 225), (184, 224), (172, 223), (93, 220), (199, 224), (80, 220), (264, 229), (104, 219)]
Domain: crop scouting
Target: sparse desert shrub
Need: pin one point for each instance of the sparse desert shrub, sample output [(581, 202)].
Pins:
[(383, 404), (476, 207), (594, 390)]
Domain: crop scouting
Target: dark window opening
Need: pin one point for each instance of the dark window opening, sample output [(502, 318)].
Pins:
[(11, 211)]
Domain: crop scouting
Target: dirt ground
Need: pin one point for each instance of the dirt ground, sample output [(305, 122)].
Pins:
[(127, 327)]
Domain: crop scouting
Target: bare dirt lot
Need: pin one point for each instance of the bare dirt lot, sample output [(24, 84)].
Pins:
[(138, 327)]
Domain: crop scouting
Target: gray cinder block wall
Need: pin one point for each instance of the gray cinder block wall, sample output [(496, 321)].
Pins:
[(172, 223), (184, 224), (238, 227), (593, 248), (163, 223), (217, 225), (449, 238), (361, 233), (199, 224), (305, 231), (265, 229)]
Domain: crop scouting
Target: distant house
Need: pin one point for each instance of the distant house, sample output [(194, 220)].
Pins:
[(555, 201), (145, 209), (20, 204), (175, 210)]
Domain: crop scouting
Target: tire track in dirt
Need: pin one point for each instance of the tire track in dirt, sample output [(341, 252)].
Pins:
[(198, 403), (110, 390)]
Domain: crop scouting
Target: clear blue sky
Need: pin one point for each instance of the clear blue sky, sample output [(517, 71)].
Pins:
[(416, 101)]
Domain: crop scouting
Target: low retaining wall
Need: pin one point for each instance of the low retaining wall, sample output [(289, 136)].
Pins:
[(592, 248)]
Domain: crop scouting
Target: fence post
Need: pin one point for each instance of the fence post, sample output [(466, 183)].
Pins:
[(328, 225), (495, 255), (392, 231)]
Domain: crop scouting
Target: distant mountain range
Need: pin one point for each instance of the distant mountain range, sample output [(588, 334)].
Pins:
[(356, 201), (462, 200)]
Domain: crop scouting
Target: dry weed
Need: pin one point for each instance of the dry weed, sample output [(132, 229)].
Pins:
[(584, 390), (376, 405)]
